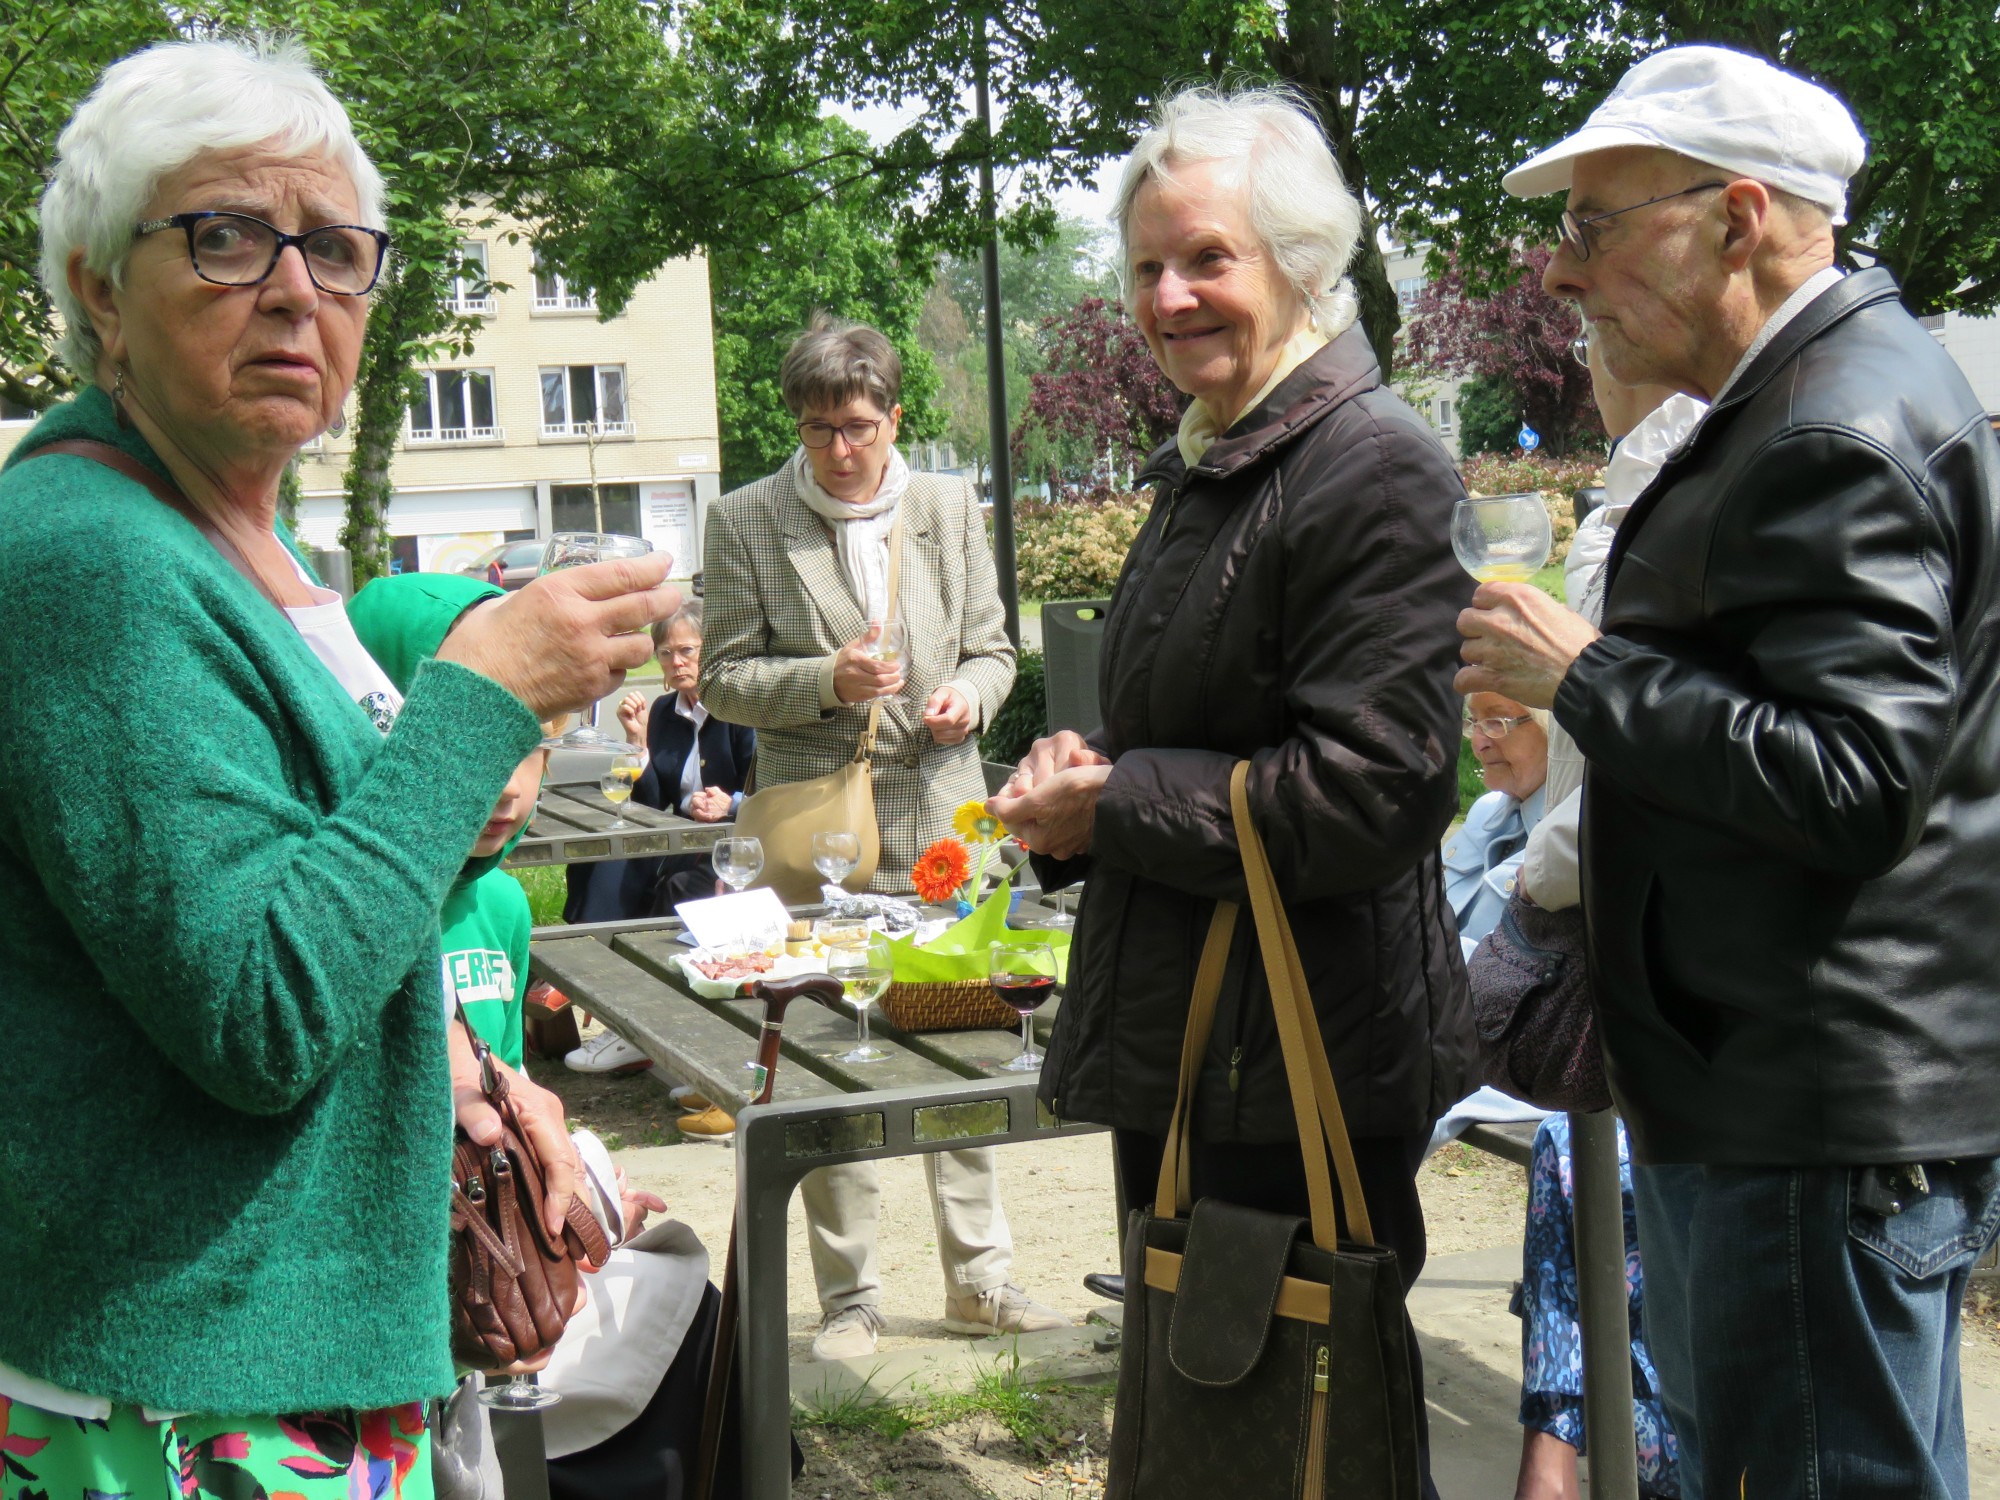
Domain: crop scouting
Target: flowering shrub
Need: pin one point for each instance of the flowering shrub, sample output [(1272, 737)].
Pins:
[(1073, 549), (1557, 478)]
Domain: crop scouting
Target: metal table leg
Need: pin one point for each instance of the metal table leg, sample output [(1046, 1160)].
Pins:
[(1604, 1307)]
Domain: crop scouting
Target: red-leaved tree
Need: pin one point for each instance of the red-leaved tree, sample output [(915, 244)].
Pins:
[(1100, 392), (1514, 336)]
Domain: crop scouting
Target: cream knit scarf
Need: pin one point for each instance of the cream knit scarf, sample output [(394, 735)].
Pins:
[(860, 532)]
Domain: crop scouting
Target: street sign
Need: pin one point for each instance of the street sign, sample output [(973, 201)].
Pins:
[(1528, 438)]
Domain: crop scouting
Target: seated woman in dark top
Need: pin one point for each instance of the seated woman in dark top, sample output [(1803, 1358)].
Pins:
[(696, 766)]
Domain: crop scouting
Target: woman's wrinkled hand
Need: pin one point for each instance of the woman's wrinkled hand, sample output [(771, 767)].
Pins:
[(710, 805), (1059, 752), (568, 638), (948, 716), (632, 717), (859, 677), (541, 1115), (1057, 816)]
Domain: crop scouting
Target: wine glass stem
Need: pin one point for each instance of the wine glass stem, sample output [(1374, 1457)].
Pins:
[(1027, 1034), (861, 1029)]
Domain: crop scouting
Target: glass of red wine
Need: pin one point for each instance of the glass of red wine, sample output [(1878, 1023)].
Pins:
[(1023, 976)]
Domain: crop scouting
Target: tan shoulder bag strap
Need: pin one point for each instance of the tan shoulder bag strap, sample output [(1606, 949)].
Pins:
[(865, 751), (1315, 1100), (1174, 1196)]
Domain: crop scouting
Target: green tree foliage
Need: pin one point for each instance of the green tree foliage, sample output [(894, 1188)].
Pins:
[(833, 254), (50, 55), (1488, 416)]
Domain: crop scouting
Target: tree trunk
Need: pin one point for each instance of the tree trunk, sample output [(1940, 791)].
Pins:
[(381, 395), (1381, 313)]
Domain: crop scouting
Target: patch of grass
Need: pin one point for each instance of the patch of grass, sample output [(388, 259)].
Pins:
[(1007, 1397), (547, 889), (1550, 582), (863, 1411)]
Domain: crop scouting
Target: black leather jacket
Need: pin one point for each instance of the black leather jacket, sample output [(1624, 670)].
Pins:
[(1791, 830), (1292, 600)]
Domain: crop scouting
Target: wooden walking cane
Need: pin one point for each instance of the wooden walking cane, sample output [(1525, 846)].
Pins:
[(776, 995)]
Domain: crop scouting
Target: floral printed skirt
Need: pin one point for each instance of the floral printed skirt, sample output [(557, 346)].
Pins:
[(373, 1455)]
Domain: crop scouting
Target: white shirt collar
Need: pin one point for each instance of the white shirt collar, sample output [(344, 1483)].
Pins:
[(1820, 281), (699, 713)]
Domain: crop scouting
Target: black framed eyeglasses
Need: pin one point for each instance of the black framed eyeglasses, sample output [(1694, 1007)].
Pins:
[(859, 434), (1495, 729), (1575, 232), (230, 249)]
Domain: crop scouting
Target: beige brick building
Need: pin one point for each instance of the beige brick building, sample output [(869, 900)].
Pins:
[(501, 444)]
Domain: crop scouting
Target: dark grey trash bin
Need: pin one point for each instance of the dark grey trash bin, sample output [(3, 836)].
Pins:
[(1072, 638)]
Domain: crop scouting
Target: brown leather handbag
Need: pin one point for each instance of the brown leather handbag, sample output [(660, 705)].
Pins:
[(1265, 1356), (512, 1285)]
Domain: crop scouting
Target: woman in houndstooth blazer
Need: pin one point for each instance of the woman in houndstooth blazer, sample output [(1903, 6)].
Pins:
[(795, 574)]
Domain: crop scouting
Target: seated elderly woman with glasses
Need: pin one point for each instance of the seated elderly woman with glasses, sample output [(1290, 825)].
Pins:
[(1482, 860), (226, 1143)]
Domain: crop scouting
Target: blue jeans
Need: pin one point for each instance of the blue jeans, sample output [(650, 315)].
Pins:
[(1806, 1346)]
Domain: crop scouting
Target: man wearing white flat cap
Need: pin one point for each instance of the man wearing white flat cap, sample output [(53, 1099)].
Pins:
[(1791, 819)]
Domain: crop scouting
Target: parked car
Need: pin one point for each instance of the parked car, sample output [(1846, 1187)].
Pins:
[(510, 564)]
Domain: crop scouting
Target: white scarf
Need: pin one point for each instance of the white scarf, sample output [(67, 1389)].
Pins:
[(860, 531)]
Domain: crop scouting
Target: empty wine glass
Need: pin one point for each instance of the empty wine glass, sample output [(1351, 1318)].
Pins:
[(628, 764), (1023, 976), (737, 861), (864, 971), (1502, 538), (519, 1394), (835, 855), (572, 549)]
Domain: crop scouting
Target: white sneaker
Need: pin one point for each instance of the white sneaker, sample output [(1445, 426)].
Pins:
[(608, 1053), (1004, 1309), (849, 1333)]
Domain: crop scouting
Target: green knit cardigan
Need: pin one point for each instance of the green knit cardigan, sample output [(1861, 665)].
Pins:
[(225, 1134)]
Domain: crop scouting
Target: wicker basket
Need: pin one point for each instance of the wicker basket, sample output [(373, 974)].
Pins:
[(960, 1005)]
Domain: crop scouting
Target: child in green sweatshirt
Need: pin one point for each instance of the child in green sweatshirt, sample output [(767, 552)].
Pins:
[(400, 621)]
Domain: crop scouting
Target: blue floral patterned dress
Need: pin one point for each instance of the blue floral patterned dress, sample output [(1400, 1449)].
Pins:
[(1552, 1341)]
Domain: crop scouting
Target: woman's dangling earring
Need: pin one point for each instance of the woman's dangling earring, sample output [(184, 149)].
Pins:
[(337, 428), (118, 397)]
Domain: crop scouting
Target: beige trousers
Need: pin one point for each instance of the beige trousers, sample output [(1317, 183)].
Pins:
[(843, 1205)]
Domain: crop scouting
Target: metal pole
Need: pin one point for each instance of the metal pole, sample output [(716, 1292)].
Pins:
[(1002, 467), (1603, 1306)]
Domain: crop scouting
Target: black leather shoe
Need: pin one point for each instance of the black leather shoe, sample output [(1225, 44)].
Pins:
[(1106, 1285)]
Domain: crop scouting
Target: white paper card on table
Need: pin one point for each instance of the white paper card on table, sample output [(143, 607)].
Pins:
[(719, 922)]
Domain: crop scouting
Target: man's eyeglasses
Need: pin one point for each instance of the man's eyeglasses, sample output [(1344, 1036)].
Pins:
[(820, 434), (1575, 232), (238, 250), (1495, 729)]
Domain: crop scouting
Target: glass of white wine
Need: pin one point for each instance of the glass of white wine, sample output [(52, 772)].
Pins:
[(628, 764), (1502, 538), (892, 642), (864, 971), (835, 855), (572, 549)]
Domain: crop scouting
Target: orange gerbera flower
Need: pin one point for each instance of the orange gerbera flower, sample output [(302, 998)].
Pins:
[(940, 870)]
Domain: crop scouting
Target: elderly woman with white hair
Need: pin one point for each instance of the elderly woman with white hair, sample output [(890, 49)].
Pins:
[(225, 1148), (1290, 601)]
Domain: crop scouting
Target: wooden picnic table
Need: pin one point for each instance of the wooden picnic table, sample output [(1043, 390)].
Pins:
[(937, 1091), (572, 822)]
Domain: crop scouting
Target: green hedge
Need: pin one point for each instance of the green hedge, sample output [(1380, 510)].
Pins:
[(1023, 719)]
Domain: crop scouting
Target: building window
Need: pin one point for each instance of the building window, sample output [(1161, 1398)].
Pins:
[(471, 292), (1408, 289), (1447, 414), (584, 400), (14, 411), (571, 508), (454, 406), (554, 294)]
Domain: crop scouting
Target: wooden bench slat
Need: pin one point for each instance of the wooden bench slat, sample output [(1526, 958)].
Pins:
[(688, 1041)]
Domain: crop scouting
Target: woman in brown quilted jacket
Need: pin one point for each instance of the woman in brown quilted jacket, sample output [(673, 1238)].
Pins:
[(1291, 600)]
